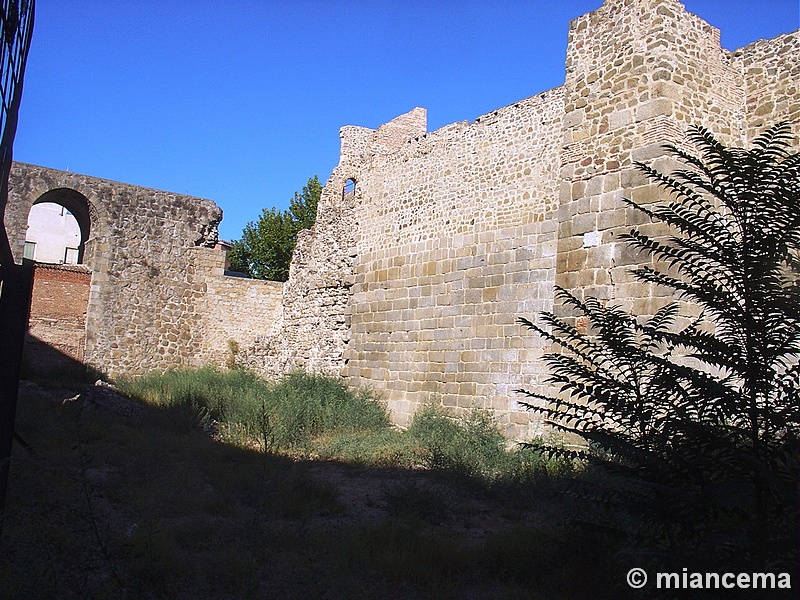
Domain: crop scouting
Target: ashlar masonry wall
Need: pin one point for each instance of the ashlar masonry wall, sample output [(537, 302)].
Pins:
[(638, 73), (413, 283), (456, 240), (233, 312)]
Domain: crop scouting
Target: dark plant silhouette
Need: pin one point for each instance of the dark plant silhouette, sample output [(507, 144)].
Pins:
[(697, 426)]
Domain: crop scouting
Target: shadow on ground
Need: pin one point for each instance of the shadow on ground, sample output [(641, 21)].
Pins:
[(116, 499)]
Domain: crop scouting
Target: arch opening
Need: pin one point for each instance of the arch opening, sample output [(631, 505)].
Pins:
[(59, 225), (349, 187)]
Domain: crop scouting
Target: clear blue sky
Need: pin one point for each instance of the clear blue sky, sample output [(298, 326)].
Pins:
[(241, 101)]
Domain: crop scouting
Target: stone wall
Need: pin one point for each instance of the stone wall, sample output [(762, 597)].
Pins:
[(456, 241), (413, 283), (233, 311), (140, 247), (638, 73), (159, 298), (771, 75)]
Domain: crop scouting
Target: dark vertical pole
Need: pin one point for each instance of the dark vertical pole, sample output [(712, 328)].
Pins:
[(15, 303), (16, 30)]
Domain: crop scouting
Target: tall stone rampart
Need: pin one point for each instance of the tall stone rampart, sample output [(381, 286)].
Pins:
[(639, 72), (456, 239), (413, 282)]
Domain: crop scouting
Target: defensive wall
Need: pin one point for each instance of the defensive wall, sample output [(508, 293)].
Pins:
[(413, 283), (412, 279)]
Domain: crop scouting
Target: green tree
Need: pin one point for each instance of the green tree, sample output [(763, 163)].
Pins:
[(700, 424), (266, 247)]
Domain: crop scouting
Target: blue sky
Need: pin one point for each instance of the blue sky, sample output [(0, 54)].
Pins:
[(241, 101)]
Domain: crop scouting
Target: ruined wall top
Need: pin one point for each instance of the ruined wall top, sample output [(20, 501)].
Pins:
[(358, 141), (631, 61)]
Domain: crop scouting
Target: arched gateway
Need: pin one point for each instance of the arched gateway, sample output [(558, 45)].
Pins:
[(146, 252)]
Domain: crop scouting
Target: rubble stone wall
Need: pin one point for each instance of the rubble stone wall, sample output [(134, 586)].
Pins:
[(771, 75), (145, 290)]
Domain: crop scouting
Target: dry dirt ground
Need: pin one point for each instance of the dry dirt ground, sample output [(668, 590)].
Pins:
[(113, 499)]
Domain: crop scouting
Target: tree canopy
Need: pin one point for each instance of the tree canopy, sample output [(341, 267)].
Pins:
[(266, 247)]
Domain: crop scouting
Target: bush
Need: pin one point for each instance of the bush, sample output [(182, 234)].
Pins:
[(471, 445), (281, 415), (301, 406), (697, 427)]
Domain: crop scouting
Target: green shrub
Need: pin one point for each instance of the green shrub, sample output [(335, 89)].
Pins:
[(282, 415), (471, 445), (386, 447), (303, 405)]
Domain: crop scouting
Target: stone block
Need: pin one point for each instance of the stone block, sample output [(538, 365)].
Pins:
[(649, 152), (584, 223), (620, 118), (654, 108)]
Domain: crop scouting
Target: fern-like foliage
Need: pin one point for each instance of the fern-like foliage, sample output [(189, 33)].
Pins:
[(737, 212), (704, 419)]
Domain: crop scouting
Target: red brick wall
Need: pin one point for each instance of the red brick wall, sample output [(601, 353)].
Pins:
[(57, 330)]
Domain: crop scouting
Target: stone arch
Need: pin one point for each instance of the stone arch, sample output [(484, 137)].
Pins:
[(78, 205), (147, 255), (30, 185)]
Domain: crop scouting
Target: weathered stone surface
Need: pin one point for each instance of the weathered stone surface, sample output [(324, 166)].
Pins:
[(157, 297), (412, 283)]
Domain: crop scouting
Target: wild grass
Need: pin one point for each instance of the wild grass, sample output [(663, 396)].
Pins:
[(314, 416), (280, 416)]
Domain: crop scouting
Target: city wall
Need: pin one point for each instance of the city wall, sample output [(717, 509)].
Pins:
[(413, 283), (412, 280)]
